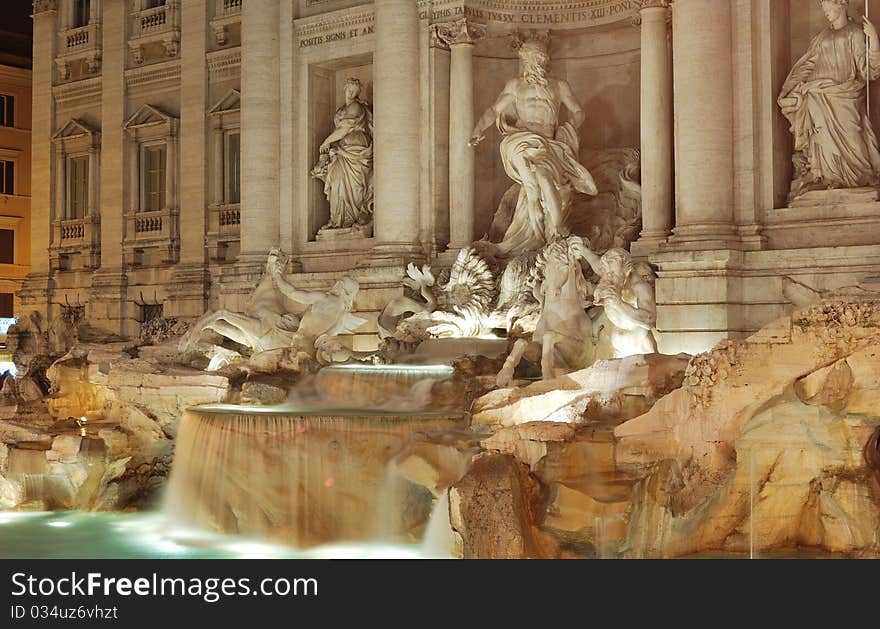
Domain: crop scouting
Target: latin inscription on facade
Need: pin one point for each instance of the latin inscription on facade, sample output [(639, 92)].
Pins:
[(336, 36), (561, 14), (516, 14)]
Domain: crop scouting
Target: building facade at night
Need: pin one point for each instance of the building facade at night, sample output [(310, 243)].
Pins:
[(15, 180), (174, 145)]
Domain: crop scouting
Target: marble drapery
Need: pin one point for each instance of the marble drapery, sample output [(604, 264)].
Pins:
[(528, 230), (824, 100), (347, 168)]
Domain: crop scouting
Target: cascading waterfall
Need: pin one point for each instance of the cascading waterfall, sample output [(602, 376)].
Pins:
[(45, 486), (304, 477), (382, 387), (437, 541)]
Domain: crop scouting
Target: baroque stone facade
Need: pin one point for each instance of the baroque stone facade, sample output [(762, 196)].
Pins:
[(15, 188), (177, 146)]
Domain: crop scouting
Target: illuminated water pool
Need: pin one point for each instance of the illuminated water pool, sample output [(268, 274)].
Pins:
[(77, 535)]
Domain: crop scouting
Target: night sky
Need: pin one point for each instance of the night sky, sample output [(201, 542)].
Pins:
[(15, 31), (16, 16)]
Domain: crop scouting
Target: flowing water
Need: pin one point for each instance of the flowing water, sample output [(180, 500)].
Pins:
[(438, 539), (77, 535), (309, 473), (384, 387), (257, 481)]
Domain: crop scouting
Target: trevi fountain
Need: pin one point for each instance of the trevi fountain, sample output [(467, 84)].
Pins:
[(515, 279)]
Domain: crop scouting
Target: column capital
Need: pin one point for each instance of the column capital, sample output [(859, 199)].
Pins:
[(45, 6), (458, 32), (650, 7)]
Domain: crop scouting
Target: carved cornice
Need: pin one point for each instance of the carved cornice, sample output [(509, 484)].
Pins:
[(149, 75), (557, 14), (461, 31), (87, 89), (306, 27), (44, 6), (224, 64)]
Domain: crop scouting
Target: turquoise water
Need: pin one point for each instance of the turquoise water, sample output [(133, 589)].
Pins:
[(77, 535)]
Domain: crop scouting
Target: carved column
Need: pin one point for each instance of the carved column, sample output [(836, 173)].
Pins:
[(60, 184), (703, 80), (109, 308), (134, 179), (260, 122), (35, 292), (218, 162), (397, 130), (656, 126), (66, 17), (188, 289), (92, 210), (460, 36), (172, 192), (91, 235)]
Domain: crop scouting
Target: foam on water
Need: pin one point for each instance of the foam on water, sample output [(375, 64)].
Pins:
[(70, 534)]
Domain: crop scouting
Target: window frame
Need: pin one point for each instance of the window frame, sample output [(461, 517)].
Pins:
[(225, 117), (146, 147), (11, 229), (13, 223), (7, 110), (69, 214), (227, 166), (75, 138), (75, 8), (14, 163), (12, 304)]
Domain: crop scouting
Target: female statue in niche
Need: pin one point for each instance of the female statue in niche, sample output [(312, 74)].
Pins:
[(824, 98), (346, 163)]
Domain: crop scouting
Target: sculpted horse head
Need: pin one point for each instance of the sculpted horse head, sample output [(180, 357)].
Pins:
[(558, 274)]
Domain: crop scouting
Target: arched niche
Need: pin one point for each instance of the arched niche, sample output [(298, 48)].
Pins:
[(601, 64)]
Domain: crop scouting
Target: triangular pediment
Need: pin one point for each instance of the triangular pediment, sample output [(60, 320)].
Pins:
[(148, 115), (229, 103), (75, 128)]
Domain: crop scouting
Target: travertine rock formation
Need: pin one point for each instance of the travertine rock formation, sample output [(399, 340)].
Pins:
[(767, 444), (619, 388), (495, 508), (105, 437)]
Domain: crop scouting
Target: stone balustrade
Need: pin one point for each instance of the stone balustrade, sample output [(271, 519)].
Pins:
[(73, 229), (79, 44), (229, 216), (156, 25), (77, 37), (229, 6), (150, 223), (154, 19), (152, 231), (224, 228), (76, 239)]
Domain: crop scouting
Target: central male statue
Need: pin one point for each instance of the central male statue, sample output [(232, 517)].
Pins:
[(539, 152)]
